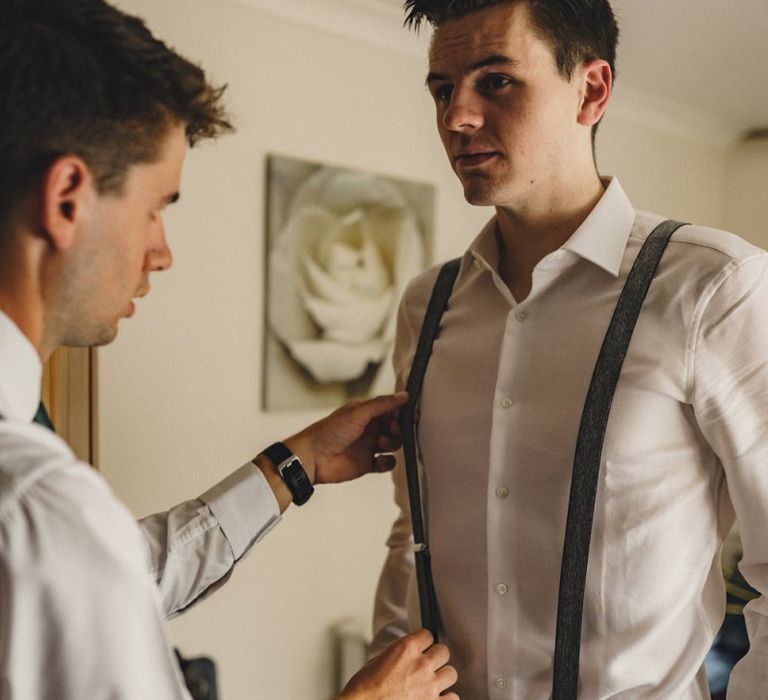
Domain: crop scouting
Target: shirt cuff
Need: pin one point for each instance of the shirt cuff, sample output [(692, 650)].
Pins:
[(245, 507)]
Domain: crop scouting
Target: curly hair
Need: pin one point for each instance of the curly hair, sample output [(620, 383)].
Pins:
[(81, 77)]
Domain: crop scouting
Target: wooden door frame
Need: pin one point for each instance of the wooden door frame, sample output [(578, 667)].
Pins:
[(69, 393)]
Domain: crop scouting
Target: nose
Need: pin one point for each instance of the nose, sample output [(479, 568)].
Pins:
[(159, 256), (464, 111)]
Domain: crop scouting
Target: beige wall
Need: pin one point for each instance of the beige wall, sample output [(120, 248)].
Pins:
[(179, 391), (682, 178), (746, 204)]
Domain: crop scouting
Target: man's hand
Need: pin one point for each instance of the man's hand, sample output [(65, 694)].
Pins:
[(354, 440), (410, 669)]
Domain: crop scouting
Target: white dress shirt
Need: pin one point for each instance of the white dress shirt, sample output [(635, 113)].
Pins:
[(686, 446), (83, 588)]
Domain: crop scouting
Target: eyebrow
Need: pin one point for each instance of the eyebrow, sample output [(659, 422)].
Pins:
[(496, 59)]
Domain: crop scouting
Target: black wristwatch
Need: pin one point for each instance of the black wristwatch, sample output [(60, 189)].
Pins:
[(291, 471)]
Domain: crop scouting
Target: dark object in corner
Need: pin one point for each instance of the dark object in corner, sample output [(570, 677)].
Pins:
[(199, 676), (732, 642)]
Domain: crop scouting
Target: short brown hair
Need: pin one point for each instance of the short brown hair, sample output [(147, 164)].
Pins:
[(578, 31), (81, 77)]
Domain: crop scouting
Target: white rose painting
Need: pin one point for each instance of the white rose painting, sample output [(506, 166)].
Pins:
[(342, 245)]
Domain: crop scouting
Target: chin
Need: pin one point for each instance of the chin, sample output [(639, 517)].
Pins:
[(94, 337), (480, 196), (484, 193), (105, 336)]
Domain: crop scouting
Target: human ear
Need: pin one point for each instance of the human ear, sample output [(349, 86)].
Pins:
[(597, 83), (67, 190)]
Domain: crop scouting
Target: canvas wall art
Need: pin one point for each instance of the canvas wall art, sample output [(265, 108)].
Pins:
[(341, 247)]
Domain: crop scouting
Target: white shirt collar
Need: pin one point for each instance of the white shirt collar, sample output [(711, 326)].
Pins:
[(601, 238), (20, 373), (603, 235)]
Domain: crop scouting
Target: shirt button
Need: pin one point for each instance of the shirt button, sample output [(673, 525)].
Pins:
[(501, 683), (506, 402), (502, 492), (502, 588), (521, 316)]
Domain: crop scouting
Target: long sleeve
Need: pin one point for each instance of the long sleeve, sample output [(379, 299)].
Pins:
[(79, 614), (730, 395), (685, 452), (194, 546), (81, 611)]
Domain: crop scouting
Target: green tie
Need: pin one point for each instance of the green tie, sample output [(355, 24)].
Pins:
[(42, 417)]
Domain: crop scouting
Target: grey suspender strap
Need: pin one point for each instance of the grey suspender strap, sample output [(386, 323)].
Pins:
[(586, 464), (441, 292), (586, 469)]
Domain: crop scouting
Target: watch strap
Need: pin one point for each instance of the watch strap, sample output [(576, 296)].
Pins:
[(291, 471)]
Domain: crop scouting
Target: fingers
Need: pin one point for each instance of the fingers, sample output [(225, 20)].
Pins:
[(388, 443), (390, 423), (384, 461), (413, 668), (438, 655), (352, 441), (379, 406), (390, 439), (422, 639), (446, 677)]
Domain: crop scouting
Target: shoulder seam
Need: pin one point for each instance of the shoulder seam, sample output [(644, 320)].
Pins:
[(702, 244), (701, 306)]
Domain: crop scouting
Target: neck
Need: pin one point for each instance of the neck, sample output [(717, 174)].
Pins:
[(528, 233)]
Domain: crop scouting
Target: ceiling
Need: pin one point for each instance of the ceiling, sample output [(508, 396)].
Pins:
[(708, 55)]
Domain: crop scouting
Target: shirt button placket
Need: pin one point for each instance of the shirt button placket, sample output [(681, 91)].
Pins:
[(499, 590)]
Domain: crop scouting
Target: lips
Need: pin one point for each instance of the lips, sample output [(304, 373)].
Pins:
[(474, 159)]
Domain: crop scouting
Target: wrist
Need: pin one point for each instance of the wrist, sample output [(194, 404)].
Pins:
[(288, 466), (301, 445), (279, 489)]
